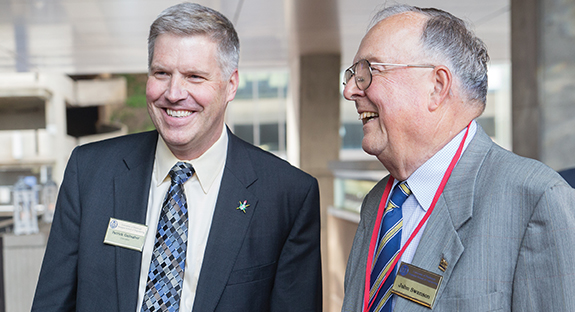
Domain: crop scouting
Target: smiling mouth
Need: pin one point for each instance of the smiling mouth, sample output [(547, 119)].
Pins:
[(178, 113), (367, 116)]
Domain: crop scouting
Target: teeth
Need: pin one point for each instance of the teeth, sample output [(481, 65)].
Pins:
[(367, 115), (178, 113)]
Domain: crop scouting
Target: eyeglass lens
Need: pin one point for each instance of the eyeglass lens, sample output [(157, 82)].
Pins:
[(362, 74)]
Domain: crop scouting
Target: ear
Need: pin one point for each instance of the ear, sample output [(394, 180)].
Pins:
[(442, 80), (233, 84)]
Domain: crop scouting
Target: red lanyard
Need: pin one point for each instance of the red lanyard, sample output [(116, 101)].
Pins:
[(375, 233)]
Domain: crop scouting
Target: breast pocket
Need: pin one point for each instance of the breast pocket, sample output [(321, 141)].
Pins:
[(261, 272)]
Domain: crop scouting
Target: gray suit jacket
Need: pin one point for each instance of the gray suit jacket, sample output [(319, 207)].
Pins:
[(506, 226)]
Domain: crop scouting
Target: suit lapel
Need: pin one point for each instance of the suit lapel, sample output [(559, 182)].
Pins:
[(229, 226), (131, 189), (440, 239)]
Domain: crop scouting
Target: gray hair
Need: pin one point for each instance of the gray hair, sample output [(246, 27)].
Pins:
[(189, 19), (448, 38)]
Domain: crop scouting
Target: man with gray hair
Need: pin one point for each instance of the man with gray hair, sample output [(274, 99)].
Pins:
[(187, 217), (460, 224)]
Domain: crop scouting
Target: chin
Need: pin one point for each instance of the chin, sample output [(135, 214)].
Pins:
[(372, 147), (368, 149)]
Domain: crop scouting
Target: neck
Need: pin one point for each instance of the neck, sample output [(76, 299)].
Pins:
[(402, 165)]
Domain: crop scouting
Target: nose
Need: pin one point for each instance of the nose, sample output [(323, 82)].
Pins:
[(176, 90), (351, 92)]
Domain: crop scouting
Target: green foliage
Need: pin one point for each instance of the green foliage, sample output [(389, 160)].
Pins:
[(136, 89), (136, 100), (134, 113)]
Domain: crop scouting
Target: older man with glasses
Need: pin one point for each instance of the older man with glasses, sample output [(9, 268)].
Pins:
[(460, 224)]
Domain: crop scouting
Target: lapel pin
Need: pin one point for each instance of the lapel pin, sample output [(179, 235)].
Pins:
[(243, 206), (443, 264)]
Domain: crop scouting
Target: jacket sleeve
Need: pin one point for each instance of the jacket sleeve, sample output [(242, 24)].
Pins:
[(544, 277), (56, 288), (298, 280)]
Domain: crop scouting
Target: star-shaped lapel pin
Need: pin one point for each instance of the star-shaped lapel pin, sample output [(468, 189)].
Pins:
[(243, 206)]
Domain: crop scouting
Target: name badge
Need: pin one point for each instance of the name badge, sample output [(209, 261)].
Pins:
[(416, 284), (125, 234)]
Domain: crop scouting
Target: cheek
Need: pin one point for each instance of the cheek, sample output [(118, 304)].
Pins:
[(210, 97), (154, 89)]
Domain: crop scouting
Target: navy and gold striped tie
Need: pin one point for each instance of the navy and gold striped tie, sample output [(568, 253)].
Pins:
[(389, 243)]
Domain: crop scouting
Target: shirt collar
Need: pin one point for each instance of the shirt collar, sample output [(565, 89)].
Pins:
[(207, 166), (425, 181)]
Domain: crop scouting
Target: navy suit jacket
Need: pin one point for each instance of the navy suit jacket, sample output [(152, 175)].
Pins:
[(569, 176), (267, 259)]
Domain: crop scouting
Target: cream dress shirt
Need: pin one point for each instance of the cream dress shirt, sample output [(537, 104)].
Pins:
[(201, 193)]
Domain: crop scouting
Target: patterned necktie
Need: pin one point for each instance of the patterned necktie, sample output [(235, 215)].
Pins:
[(166, 275), (387, 249)]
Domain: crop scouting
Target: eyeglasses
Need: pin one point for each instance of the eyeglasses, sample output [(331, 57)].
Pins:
[(362, 72)]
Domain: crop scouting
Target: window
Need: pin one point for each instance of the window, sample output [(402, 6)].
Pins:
[(258, 112)]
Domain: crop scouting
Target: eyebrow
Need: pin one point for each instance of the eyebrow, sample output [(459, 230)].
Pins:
[(156, 66)]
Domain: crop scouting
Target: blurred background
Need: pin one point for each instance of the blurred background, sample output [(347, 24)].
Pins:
[(74, 71)]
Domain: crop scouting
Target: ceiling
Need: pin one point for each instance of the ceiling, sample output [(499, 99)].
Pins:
[(109, 36)]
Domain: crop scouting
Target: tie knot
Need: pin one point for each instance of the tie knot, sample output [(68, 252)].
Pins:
[(181, 172), (400, 193), (404, 188)]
